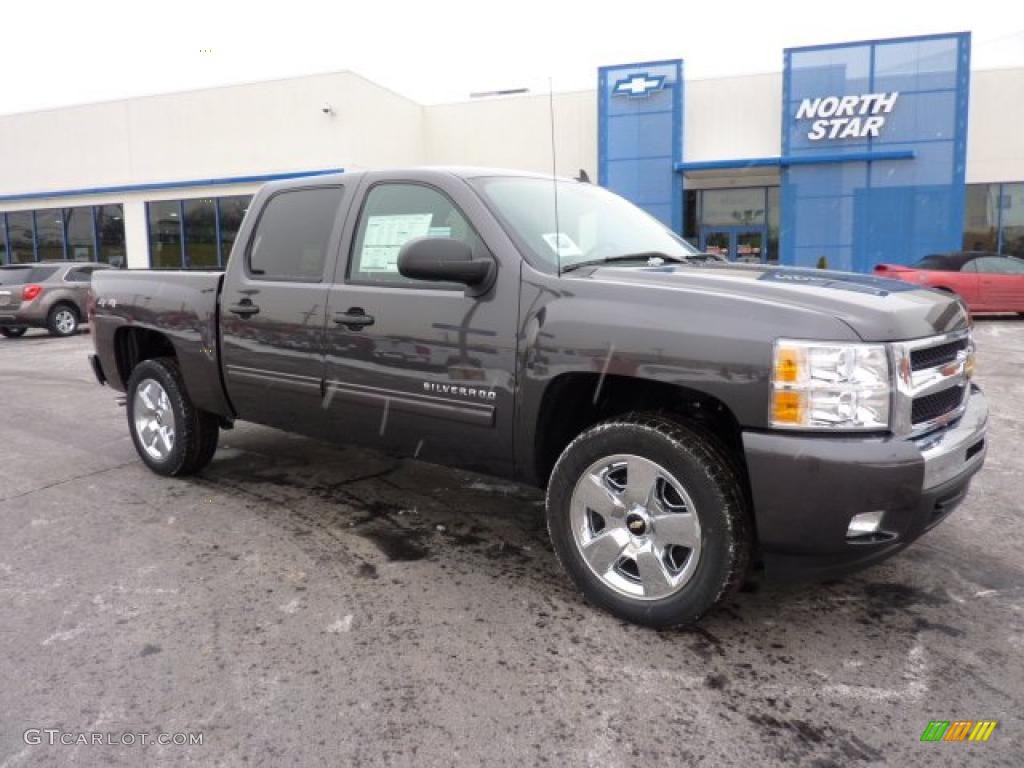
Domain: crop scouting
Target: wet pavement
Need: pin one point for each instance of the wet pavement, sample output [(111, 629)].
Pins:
[(300, 604)]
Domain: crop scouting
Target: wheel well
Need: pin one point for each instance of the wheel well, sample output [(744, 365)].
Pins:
[(574, 402), (69, 304), (133, 345)]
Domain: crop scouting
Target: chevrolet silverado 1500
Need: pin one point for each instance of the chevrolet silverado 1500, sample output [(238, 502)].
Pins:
[(690, 420)]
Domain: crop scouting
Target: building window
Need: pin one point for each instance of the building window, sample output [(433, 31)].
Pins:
[(199, 220), (164, 219), (195, 233), (49, 234), (110, 234), (981, 218), (81, 237), (733, 207), (690, 216), (21, 237), (63, 233), (773, 225), (994, 218), (1012, 220)]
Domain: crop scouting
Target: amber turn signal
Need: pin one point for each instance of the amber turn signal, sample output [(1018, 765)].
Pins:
[(787, 365), (788, 406)]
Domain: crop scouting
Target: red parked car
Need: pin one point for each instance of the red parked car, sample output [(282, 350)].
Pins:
[(987, 282)]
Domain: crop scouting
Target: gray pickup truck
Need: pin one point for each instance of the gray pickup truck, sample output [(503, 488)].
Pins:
[(690, 420)]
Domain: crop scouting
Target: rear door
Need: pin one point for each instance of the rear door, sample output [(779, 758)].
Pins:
[(421, 368), (1001, 283), (273, 306), (77, 280)]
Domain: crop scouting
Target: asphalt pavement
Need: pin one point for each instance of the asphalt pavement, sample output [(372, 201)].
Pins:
[(303, 604)]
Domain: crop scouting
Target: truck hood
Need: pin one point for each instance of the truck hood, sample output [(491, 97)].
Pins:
[(876, 309)]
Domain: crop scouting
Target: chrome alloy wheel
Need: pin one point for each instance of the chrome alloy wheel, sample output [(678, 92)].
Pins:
[(636, 527), (154, 419), (65, 321)]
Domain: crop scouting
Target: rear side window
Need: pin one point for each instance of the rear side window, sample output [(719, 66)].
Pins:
[(22, 275), (79, 275), (290, 242)]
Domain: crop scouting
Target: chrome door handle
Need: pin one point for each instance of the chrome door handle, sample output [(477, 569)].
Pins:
[(355, 317)]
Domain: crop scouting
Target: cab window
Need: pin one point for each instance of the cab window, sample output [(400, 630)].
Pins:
[(291, 237), (395, 213)]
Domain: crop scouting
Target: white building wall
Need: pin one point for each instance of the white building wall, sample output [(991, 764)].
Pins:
[(515, 132), (733, 117), (995, 132), (260, 128)]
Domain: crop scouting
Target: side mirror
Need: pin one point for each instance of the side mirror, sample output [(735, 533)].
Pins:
[(446, 260)]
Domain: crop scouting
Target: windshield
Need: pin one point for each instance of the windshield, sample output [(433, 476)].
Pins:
[(593, 223)]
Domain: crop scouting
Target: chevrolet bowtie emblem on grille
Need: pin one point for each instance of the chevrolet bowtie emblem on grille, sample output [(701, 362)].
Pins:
[(639, 85)]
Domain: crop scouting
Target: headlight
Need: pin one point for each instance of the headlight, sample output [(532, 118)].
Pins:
[(830, 385)]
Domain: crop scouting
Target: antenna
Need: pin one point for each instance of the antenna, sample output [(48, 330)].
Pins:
[(554, 175)]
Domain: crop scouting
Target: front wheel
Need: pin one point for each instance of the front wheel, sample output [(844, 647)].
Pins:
[(649, 518), (171, 435), (12, 333), (62, 320)]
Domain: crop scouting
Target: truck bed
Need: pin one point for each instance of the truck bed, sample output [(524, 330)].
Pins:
[(181, 305)]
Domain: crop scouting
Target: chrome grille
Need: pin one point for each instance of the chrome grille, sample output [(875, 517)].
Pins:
[(931, 407), (930, 357), (932, 383)]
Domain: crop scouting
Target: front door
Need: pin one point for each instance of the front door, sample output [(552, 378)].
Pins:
[(420, 369), (743, 244)]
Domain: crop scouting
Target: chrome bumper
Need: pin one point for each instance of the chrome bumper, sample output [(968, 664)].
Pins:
[(960, 448)]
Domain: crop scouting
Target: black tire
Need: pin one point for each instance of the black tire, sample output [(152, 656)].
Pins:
[(711, 478), (62, 320), (12, 333), (195, 431)]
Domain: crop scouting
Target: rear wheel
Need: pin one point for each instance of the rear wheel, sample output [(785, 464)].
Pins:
[(171, 435), (649, 518), (62, 320), (12, 333)]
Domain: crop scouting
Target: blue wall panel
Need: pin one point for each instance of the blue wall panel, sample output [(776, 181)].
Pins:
[(857, 214), (640, 135)]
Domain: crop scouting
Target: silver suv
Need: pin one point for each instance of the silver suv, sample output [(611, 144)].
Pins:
[(48, 294)]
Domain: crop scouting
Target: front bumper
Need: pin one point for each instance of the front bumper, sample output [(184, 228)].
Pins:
[(806, 489)]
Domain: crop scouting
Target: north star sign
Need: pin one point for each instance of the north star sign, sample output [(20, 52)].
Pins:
[(847, 117)]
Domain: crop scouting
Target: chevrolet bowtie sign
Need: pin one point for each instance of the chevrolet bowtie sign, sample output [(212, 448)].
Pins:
[(847, 117), (639, 85)]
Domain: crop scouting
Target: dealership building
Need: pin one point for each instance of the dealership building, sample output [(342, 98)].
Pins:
[(853, 154)]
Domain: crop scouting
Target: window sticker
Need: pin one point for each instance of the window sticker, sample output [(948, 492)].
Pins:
[(565, 245), (439, 232), (385, 236)]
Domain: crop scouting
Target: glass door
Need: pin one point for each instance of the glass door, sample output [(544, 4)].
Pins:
[(742, 244), (716, 241), (747, 246)]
